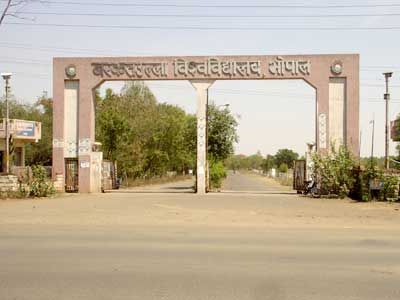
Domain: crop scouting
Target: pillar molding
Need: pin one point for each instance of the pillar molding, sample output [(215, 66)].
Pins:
[(201, 87)]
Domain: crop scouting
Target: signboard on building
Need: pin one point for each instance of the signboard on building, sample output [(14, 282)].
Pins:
[(25, 128)]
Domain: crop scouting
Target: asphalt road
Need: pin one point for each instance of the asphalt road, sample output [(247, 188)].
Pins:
[(183, 186), (183, 246), (250, 182)]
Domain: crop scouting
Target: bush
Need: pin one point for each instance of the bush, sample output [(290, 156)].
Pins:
[(40, 186), (390, 185), (217, 173), (283, 168), (334, 171)]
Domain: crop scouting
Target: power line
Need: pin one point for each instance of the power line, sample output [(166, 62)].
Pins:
[(217, 6), (211, 16), (67, 49), (12, 59), (204, 28)]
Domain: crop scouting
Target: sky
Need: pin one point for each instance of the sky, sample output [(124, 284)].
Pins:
[(272, 114)]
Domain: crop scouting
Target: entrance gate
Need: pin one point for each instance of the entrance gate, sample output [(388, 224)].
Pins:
[(71, 175), (335, 79)]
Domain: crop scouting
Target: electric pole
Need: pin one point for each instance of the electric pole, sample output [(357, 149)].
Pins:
[(372, 142), (386, 97), (6, 77)]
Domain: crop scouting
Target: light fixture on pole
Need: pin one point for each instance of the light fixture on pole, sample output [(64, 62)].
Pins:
[(7, 77), (386, 97)]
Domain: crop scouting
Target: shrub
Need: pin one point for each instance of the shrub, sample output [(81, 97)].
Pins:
[(334, 171), (371, 174), (217, 173), (283, 168), (40, 186), (390, 185)]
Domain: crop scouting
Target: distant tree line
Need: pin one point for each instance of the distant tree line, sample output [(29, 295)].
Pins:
[(148, 138), (145, 137), (282, 160)]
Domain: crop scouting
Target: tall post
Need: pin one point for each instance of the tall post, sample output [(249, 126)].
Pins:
[(372, 142), (7, 128), (387, 98), (6, 77), (202, 87)]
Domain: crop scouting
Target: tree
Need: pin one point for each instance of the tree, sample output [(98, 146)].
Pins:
[(145, 137), (268, 163), (40, 153), (255, 161), (221, 132), (285, 156), (112, 128), (12, 9), (283, 168)]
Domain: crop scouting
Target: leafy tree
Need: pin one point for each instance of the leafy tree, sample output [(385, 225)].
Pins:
[(283, 168), (112, 128), (255, 161), (285, 156), (221, 132), (40, 153), (148, 138), (268, 163)]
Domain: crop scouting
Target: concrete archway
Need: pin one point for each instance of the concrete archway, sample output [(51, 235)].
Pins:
[(334, 77)]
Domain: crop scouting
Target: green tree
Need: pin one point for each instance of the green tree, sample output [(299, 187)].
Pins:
[(40, 153), (268, 163), (285, 156), (255, 161), (283, 168), (222, 133)]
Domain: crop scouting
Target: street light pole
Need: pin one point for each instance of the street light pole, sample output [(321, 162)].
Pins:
[(6, 77), (387, 98)]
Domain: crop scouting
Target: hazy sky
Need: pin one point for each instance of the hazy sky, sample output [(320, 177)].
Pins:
[(273, 114)]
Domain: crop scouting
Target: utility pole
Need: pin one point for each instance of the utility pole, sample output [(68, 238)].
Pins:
[(386, 96), (372, 142), (6, 77), (359, 149)]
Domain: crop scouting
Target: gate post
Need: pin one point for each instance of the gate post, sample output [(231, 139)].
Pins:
[(201, 87)]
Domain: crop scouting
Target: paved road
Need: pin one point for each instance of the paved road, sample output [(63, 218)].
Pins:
[(183, 186), (250, 182), (184, 246)]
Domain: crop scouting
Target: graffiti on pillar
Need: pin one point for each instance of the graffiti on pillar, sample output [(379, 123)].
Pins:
[(58, 143), (322, 130), (84, 146)]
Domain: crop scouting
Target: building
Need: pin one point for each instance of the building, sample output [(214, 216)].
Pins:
[(22, 132)]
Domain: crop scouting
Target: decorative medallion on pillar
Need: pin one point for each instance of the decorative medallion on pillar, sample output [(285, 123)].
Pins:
[(337, 67), (70, 71)]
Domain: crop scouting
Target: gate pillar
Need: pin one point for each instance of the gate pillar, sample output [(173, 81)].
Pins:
[(201, 87)]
